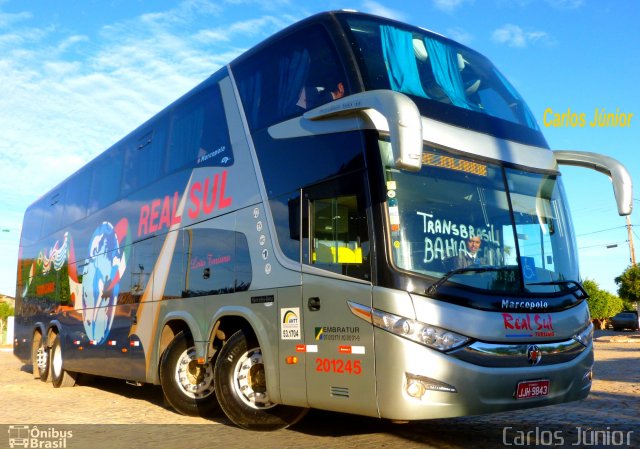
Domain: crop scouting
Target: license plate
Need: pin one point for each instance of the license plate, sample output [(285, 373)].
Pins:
[(532, 389)]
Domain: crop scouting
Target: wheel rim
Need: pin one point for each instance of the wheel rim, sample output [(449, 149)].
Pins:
[(195, 380), (56, 361), (250, 382), (41, 358)]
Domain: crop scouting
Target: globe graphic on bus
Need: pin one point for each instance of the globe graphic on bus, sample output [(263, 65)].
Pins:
[(100, 284)]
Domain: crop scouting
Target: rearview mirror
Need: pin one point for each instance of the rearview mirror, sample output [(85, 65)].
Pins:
[(402, 116), (620, 177)]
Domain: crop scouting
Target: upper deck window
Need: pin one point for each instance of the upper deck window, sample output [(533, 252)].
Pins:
[(299, 73), (438, 74)]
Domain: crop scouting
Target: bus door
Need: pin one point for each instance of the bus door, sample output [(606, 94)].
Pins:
[(339, 346)]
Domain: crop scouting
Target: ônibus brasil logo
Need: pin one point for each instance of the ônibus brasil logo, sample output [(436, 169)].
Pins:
[(35, 437)]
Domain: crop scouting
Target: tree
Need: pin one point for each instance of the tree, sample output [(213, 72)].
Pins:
[(6, 310), (629, 284), (602, 304)]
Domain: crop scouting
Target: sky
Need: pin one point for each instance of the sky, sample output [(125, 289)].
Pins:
[(78, 75)]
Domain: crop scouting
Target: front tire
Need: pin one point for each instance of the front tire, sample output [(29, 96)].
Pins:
[(187, 385), (59, 376), (241, 387)]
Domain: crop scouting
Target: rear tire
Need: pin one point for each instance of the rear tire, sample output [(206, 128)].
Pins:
[(241, 387), (59, 376), (187, 386), (40, 358)]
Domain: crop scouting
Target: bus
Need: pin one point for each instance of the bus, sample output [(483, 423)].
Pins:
[(356, 215)]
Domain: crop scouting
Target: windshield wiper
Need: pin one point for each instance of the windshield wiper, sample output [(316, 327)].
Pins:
[(576, 287), (432, 289)]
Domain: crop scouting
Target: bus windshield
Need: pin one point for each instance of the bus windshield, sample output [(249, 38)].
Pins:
[(481, 225), (434, 69)]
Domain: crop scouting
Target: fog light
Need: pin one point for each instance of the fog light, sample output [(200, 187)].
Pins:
[(418, 386), (416, 389)]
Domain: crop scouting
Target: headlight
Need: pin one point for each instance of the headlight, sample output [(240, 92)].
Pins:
[(425, 334), (585, 337)]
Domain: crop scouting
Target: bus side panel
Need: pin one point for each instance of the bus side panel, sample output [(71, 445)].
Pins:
[(291, 359), (268, 279), (340, 367)]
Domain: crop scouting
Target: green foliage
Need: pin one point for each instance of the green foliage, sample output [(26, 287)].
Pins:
[(628, 306), (602, 304), (6, 310), (629, 284)]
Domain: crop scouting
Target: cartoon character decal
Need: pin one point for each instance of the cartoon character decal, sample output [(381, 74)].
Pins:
[(108, 252)]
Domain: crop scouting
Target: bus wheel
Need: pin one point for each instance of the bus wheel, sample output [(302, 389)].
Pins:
[(59, 376), (187, 385), (40, 358), (241, 387)]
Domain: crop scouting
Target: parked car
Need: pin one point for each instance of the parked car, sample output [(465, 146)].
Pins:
[(625, 320)]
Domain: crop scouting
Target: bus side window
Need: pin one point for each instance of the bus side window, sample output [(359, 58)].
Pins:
[(298, 73), (77, 200), (55, 209), (106, 176), (143, 255), (199, 135), (32, 228), (146, 150), (308, 161), (217, 262)]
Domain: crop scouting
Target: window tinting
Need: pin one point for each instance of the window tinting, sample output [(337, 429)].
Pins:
[(143, 256), (32, 226), (298, 73), (144, 157), (289, 164), (179, 265), (308, 161), (286, 216), (75, 206), (55, 209), (218, 262), (199, 135), (106, 176)]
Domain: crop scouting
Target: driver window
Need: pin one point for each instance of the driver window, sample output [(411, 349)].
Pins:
[(336, 237)]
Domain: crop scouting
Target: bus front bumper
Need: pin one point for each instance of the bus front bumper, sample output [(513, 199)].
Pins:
[(415, 382)]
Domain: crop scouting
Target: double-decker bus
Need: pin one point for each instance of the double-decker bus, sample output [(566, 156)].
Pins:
[(356, 215)]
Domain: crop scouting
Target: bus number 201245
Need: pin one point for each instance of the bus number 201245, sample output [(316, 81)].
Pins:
[(339, 366)]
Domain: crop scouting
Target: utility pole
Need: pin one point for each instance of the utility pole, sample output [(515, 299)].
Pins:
[(633, 262), (630, 234)]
